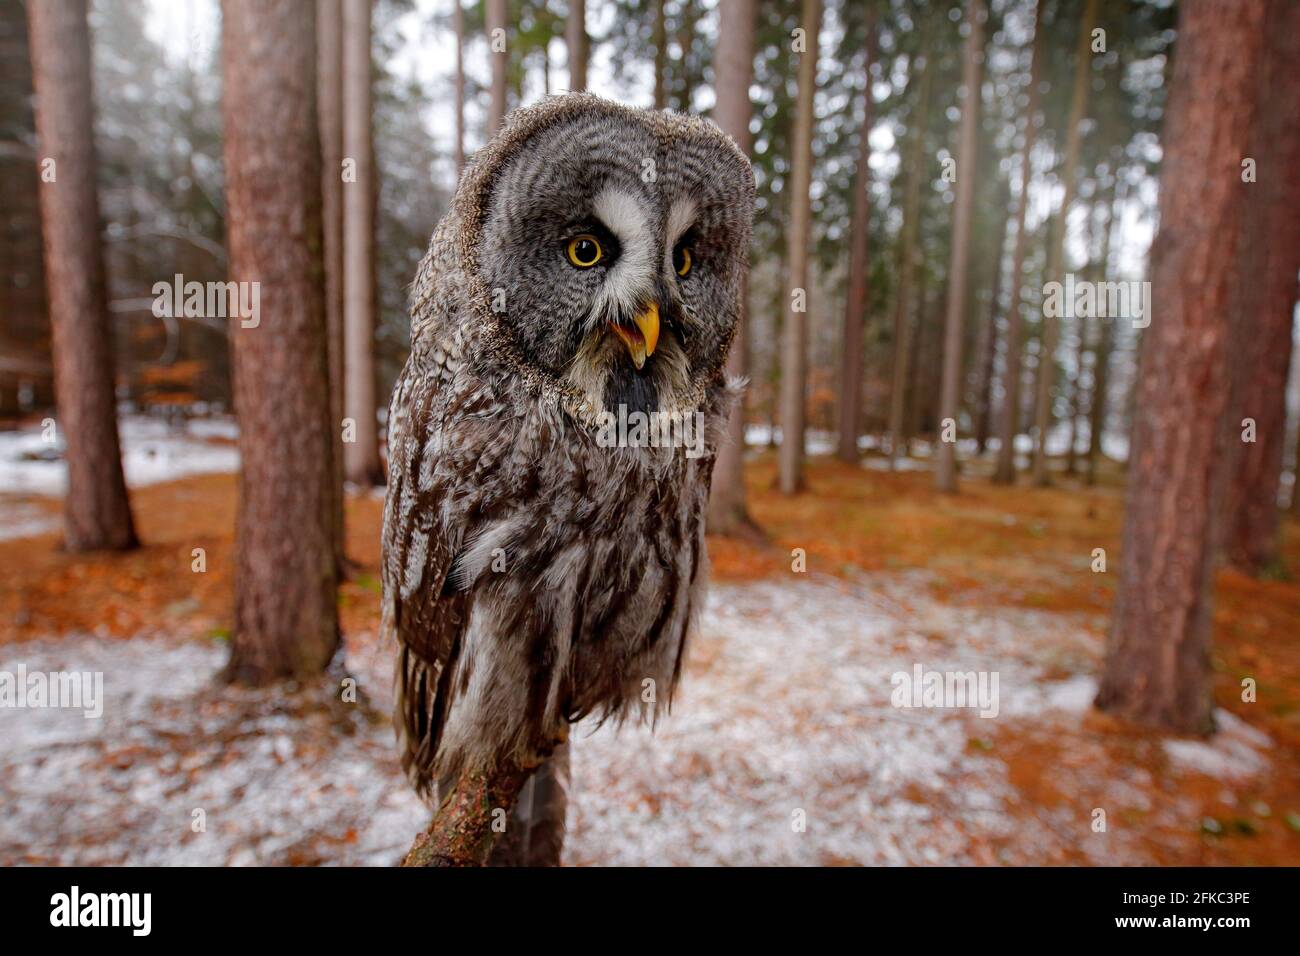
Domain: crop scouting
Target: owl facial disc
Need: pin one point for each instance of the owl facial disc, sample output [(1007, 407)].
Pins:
[(642, 339)]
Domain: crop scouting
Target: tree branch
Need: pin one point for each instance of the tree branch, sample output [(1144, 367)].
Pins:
[(461, 833)]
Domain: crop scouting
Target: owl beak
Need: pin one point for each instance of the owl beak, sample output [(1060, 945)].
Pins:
[(642, 339)]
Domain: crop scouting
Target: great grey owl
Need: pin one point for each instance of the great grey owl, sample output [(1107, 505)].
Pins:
[(535, 572)]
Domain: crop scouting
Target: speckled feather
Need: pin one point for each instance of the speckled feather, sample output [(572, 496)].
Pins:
[(532, 577)]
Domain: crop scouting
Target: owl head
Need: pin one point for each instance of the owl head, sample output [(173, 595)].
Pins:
[(605, 248)]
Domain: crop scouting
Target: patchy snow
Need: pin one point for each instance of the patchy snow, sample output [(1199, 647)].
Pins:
[(1233, 753), (786, 707), (21, 519), (784, 747), (153, 452)]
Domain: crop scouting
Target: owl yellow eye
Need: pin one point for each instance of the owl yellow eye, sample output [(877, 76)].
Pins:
[(585, 251), (682, 260)]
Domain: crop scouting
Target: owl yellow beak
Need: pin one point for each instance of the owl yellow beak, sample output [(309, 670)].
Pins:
[(641, 341)]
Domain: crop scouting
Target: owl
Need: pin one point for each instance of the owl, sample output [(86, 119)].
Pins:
[(534, 571)]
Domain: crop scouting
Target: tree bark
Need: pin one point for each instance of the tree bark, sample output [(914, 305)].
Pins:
[(286, 612), (458, 26), (329, 87), (1157, 669), (97, 512), (1008, 425), (1056, 251), (462, 832), (575, 41), (495, 19), (734, 72), (361, 455), (1265, 300), (794, 346), (949, 405), (535, 834), (987, 349), (907, 266), (855, 306), (1105, 344)]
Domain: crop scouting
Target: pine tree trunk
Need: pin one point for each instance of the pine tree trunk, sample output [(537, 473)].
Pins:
[(988, 343), (329, 87), (1157, 669), (734, 71), (361, 455), (794, 343), (1265, 299), (908, 244), (949, 403), (458, 91), (286, 614), (855, 306), (575, 41), (659, 38), (1004, 471), (1056, 251), (1105, 345), (97, 512), (495, 19)]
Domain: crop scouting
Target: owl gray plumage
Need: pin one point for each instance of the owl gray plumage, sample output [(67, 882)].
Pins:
[(531, 575)]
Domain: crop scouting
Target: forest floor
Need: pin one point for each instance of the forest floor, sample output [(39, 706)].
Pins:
[(783, 746)]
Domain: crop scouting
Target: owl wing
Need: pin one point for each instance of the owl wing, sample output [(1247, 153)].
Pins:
[(420, 543)]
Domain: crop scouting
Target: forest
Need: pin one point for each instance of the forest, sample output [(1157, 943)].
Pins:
[(1003, 532)]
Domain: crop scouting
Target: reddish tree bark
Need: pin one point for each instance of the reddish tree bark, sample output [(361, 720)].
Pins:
[(794, 339), (97, 512), (1009, 424), (329, 80), (1265, 300), (945, 476), (1157, 668), (286, 616), (734, 71)]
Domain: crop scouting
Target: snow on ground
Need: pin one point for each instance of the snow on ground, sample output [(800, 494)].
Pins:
[(153, 452), (784, 716)]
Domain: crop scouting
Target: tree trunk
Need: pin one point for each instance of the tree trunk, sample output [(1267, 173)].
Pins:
[(495, 19), (361, 455), (794, 344), (855, 306), (458, 25), (286, 611), (949, 404), (1105, 340), (575, 41), (97, 512), (1096, 272), (1157, 668), (329, 86), (1005, 470), (987, 349), (907, 266), (659, 38), (734, 71), (1265, 301), (1056, 251)]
